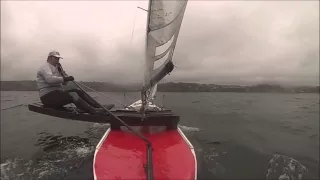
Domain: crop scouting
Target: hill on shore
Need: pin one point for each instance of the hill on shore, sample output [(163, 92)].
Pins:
[(168, 87)]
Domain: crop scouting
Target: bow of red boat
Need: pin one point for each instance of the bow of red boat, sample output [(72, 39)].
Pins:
[(122, 155)]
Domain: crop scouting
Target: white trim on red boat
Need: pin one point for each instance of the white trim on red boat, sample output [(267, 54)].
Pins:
[(97, 149), (192, 151)]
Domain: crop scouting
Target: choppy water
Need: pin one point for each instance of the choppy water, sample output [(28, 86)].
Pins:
[(235, 135)]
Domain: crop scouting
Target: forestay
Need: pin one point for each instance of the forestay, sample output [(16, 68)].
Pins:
[(163, 26)]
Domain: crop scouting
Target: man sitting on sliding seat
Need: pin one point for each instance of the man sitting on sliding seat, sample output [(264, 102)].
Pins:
[(49, 82)]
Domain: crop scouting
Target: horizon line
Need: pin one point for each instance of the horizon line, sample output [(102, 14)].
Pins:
[(123, 84)]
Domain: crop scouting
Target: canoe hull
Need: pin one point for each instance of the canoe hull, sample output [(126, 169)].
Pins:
[(122, 155)]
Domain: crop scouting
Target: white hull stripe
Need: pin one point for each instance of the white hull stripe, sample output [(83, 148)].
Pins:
[(97, 149), (192, 151)]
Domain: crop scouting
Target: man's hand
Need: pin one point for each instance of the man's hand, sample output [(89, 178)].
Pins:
[(68, 78)]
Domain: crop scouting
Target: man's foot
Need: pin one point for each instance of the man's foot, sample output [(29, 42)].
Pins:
[(100, 111), (108, 106)]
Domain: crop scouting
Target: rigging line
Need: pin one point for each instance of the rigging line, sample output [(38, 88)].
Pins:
[(142, 8), (134, 23), (137, 133), (63, 73), (13, 106), (114, 116), (106, 96)]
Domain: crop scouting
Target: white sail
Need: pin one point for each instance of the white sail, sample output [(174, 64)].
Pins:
[(163, 26)]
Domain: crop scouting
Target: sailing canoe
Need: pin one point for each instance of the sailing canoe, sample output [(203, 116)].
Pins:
[(122, 155)]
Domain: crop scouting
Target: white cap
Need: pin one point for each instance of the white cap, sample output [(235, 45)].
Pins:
[(55, 54)]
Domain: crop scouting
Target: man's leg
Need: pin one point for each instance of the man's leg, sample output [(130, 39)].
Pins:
[(56, 99), (85, 97), (83, 105)]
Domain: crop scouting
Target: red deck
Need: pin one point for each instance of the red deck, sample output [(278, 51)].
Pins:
[(122, 155)]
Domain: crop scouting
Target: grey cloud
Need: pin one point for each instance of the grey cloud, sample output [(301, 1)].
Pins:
[(220, 42), (250, 48)]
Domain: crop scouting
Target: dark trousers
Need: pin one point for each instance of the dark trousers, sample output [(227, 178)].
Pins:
[(58, 98)]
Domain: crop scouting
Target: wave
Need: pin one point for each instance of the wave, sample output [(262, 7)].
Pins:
[(60, 155), (285, 168)]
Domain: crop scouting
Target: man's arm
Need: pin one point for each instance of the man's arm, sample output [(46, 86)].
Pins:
[(49, 77)]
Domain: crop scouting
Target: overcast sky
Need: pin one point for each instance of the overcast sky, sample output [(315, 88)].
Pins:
[(221, 42)]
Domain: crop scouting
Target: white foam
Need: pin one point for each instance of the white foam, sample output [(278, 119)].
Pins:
[(84, 151), (189, 129), (100, 125), (7, 167), (43, 173), (291, 168)]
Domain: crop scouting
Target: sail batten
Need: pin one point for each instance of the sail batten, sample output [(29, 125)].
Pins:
[(164, 48)]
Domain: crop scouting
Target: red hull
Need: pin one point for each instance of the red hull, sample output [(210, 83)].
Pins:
[(122, 155)]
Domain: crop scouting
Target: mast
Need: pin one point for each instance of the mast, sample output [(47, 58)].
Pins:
[(146, 71)]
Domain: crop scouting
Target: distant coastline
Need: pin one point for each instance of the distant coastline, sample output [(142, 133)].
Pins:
[(170, 87)]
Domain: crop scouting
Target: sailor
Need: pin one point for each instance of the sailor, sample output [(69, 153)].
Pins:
[(50, 81)]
